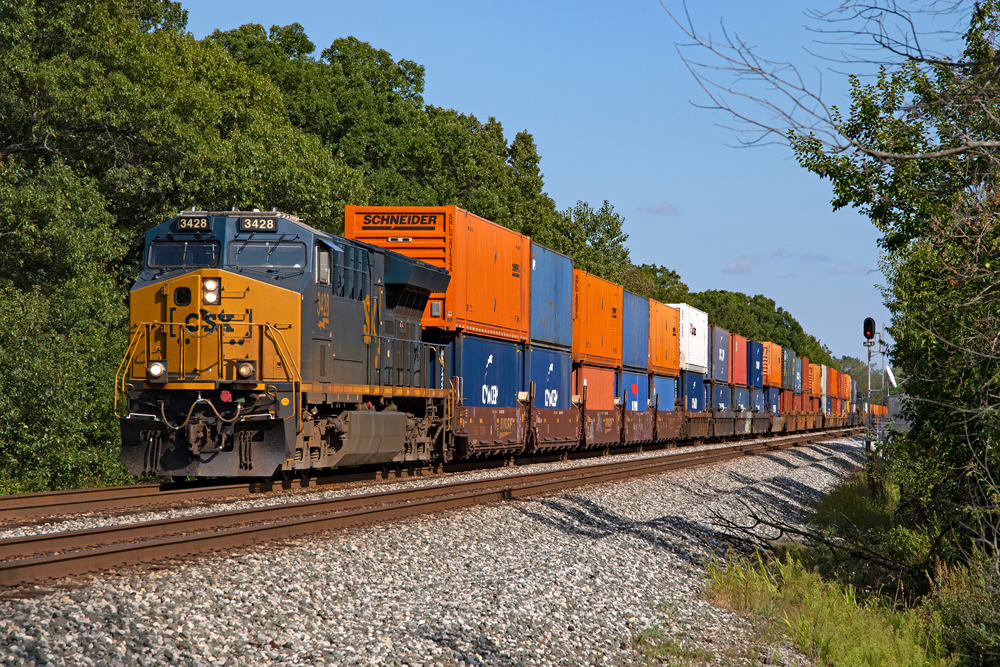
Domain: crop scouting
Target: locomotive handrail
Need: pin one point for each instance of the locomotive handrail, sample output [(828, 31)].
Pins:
[(126, 362)]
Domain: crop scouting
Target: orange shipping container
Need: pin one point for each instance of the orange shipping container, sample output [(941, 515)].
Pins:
[(597, 320), (806, 377), (600, 384), (831, 382), (664, 342), (816, 379), (772, 364), (488, 293)]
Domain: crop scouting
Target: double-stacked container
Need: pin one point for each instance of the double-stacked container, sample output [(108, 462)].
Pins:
[(787, 379), (634, 378), (597, 354), (815, 386), (771, 364), (738, 372), (755, 375), (482, 317), (719, 365), (664, 354), (548, 357), (693, 344)]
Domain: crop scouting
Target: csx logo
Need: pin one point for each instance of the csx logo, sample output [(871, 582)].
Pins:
[(551, 398), (209, 319), (490, 394)]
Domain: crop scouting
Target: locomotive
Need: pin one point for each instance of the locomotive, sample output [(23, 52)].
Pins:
[(259, 346)]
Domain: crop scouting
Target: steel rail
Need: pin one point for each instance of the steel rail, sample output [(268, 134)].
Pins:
[(78, 501), (227, 530)]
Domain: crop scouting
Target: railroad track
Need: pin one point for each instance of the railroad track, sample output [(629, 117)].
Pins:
[(41, 557)]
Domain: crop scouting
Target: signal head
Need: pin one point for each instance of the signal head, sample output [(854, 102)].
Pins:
[(869, 328)]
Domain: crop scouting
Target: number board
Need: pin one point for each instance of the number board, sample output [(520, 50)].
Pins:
[(192, 224), (258, 225)]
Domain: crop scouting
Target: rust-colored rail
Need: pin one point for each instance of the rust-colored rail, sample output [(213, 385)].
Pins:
[(78, 552)]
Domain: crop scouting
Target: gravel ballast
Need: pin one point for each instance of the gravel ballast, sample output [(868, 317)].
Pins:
[(566, 579)]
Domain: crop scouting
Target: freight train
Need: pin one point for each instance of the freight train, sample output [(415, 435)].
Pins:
[(261, 346)]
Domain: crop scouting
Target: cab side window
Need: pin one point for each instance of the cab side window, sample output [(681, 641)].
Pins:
[(322, 265)]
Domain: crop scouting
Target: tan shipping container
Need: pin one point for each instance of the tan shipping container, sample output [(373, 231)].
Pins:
[(489, 264), (597, 320), (772, 364), (664, 341)]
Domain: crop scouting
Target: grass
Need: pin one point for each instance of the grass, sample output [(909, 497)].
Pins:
[(657, 647)]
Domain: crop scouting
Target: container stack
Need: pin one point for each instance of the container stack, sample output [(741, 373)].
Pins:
[(755, 375), (720, 390), (771, 364), (797, 396), (597, 339), (815, 387), (634, 378), (738, 368), (664, 354), (693, 346), (548, 357), (787, 380)]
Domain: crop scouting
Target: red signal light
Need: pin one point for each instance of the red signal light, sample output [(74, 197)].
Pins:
[(869, 328)]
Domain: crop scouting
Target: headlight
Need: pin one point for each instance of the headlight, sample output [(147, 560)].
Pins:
[(212, 290), (156, 371), (246, 370)]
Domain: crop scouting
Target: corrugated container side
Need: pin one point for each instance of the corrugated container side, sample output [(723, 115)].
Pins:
[(772, 364), (693, 388), (664, 389), (757, 400), (806, 377), (551, 298), (823, 379), (831, 382), (741, 399), (634, 388), (722, 396), (664, 339), (829, 405), (787, 368), (797, 403), (693, 339), (552, 371), (597, 320), (489, 289), (600, 384), (737, 360), (772, 399), (755, 364), (798, 375), (816, 379), (635, 331), (718, 354), (785, 401), (492, 371)]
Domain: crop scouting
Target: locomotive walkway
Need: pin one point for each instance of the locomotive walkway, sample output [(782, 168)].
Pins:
[(39, 557)]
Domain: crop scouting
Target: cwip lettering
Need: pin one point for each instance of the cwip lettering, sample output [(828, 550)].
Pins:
[(722, 354), (392, 221), (491, 393)]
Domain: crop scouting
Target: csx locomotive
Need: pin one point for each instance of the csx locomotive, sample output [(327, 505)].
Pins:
[(259, 345)]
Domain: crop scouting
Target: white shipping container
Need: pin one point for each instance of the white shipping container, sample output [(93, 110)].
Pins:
[(693, 338), (822, 400)]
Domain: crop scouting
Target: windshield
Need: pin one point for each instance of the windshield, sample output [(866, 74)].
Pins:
[(183, 254), (268, 254)]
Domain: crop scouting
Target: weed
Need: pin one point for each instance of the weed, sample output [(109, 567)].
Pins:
[(656, 647)]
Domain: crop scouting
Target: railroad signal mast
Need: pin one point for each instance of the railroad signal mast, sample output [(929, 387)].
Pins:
[(869, 343)]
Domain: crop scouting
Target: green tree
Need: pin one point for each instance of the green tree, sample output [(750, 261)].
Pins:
[(656, 282)]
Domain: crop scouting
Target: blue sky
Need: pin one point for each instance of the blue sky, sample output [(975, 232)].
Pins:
[(612, 109)]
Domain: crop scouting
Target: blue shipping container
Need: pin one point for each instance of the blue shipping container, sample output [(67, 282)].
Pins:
[(552, 372), (635, 331), (772, 399), (492, 371), (798, 375), (551, 319), (634, 388), (755, 363), (787, 368), (664, 390), (757, 400), (741, 399), (829, 405), (693, 388), (722, 397), (718, 354)]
